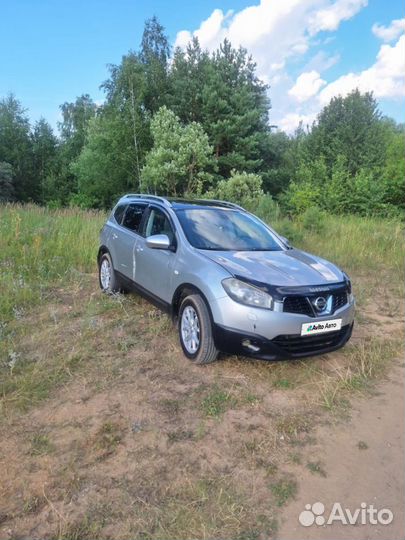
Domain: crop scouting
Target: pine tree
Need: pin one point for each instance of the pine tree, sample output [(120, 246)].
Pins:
[(223, 93), (154, 56)]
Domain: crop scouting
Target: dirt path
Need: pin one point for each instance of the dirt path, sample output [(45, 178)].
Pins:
[(364, 462)]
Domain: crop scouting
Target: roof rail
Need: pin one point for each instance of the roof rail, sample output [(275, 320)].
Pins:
[(147, 196), (224, 203)]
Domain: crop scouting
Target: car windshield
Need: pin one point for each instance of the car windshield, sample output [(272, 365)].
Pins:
[(226, 230)]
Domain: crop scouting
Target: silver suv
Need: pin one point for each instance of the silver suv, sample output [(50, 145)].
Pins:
[(232, 283)]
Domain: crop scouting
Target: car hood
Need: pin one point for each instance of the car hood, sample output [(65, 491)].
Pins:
[(280, 268)]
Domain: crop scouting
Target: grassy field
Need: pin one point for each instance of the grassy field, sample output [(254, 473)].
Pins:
[(112, 433), (41, 248)]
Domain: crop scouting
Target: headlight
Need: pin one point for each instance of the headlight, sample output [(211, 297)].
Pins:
[(349, 288), (247, 294), (348, 283)]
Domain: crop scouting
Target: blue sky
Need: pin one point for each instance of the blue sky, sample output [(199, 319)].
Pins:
[(307, 50)]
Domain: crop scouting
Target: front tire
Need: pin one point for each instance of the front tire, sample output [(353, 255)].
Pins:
[(106, 275), (195, 331)]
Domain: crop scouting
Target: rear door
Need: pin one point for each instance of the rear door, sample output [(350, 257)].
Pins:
[(125, 239), (114, 225), (154, 267)]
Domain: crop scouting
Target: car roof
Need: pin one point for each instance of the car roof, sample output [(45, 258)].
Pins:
[(177, 203)]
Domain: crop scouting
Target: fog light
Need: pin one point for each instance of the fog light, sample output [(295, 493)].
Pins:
[(249, 345)]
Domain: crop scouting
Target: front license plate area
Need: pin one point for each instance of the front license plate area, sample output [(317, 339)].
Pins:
[(321, 327)]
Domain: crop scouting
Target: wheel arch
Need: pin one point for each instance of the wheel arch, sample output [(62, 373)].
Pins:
[(101, 251), (183, 290)]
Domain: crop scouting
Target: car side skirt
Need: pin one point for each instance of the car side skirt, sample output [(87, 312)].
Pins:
[(138, 289)]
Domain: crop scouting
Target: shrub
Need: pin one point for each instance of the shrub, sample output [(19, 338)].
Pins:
[(54, 204), (313, 219), (81, 200), (266, 209), (291, 231), (241, 188), (300, 196)]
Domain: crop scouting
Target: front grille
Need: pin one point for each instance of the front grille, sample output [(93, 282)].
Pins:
[(302, 304), (339, 300), (298, 304), (297, 345)]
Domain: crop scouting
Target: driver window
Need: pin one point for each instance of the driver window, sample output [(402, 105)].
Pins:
[(158, 223)]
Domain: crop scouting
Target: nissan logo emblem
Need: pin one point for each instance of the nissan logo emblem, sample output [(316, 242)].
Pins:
[(320, 303)]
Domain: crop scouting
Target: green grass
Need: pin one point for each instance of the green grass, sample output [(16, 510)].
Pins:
[(283, 490), (315, 467), (108, 437), (290, 426), (282, 383), (366, 363), (295, 458), (216, 402), (358, 244), (85, 529), (31, 382), (41, 247), (252, 399), (41, 445)]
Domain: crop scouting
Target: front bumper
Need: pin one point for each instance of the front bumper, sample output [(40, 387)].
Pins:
[(272, 335), (230, 341)]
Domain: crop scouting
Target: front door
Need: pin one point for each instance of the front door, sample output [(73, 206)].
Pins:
[(154, 267)]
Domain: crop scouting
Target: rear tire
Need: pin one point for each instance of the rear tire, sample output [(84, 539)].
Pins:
[(106, 275), (195, 331)]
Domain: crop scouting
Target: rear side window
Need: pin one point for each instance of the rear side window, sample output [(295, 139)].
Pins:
[(133, 217), (119, 213)]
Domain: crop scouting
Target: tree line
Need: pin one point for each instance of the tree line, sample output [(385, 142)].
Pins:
[(198, 123)]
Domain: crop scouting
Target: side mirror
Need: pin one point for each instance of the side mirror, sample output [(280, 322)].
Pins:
[(158, 241)]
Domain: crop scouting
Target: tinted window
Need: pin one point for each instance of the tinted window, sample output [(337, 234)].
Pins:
[(133, 217), (158, 223), (221, 229), (119, 212)]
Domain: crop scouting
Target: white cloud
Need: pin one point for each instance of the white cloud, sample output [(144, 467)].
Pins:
[(277, 66), (321, 62), (210, 33), (391, 32), (306, 86), (273, 31), (331, 16), (386, 77), (182, 38), (292, 120)]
